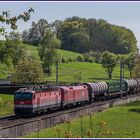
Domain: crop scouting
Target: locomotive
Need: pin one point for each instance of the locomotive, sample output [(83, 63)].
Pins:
[(35, 100)]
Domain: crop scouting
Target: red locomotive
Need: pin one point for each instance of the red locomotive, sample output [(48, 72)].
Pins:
[(43, 99), (36, 100), (73, 95)]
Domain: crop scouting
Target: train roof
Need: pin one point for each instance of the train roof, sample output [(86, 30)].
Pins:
[(38, 89)]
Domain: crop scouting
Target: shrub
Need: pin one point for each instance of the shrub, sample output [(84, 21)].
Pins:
[(79, 58)]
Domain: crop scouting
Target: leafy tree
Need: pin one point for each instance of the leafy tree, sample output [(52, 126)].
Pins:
[(55, 26), (24, 36), (36, 32), (11, 49), (28, 70), (136, 68), (48, 51), (79, 42), (109, 62), (73, 36), (14, 36), (82, 35), (130, 62), (6, 18)]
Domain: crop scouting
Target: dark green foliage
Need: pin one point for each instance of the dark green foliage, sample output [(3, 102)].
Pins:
[(63, 60), (82, 35), (70, 60), (79, 58), (36, 33)]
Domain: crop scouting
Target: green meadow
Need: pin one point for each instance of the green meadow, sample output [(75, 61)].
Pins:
[(119, 122)]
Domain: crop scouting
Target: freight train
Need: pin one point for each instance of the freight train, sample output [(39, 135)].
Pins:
[(29, 101)]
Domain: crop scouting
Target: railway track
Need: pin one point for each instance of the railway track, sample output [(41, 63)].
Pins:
[(15, 120)]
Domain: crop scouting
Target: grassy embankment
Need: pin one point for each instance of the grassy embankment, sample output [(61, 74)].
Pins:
[(122, 120), (6, 104)]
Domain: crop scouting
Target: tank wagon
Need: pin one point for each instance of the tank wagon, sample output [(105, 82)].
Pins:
[(131, 85), (97, 90), (31, 101)]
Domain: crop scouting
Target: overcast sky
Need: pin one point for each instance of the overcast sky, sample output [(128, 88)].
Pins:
[(120, 13)]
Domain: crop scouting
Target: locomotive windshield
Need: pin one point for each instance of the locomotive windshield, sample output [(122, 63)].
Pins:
[(23, 96)]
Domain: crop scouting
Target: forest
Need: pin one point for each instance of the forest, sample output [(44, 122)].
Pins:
[(83, 35)]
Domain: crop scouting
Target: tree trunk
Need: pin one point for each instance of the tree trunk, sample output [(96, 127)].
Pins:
[(130, 74), (110, 76)]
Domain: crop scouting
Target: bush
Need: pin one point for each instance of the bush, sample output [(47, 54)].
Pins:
[(86, 57), (79, 58), (70, 60), (97, 56), (63, 60)]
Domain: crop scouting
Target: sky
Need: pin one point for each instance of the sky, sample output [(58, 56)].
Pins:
[(119, 13)]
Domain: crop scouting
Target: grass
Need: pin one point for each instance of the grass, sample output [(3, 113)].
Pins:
[(68, 54), (89, 72), (72, 71), (122, 120), (63, 53), (6, 104), (3, 71)]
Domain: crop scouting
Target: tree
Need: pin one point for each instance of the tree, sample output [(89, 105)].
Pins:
[(48, 51), (36, 32), (109, 62), (73, 35), (11, 49), (136, 68), (6, 18), (28, 70), (24, 36), (83, 35), (14, 36), (55, 26), (130, 62)]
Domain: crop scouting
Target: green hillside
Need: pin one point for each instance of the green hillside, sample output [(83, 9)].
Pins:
[(68, 54), (62, 53), (89, 72), (73, 71)]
